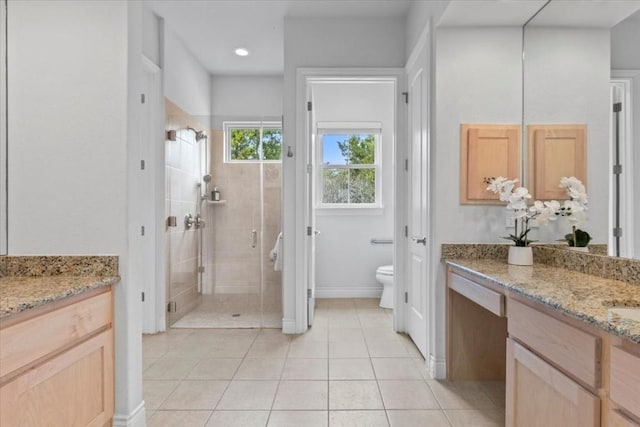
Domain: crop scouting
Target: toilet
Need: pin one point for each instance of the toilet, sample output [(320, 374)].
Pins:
[(384, 276)]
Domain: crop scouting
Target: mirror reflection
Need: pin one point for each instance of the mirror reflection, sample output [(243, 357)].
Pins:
[(581, 58)]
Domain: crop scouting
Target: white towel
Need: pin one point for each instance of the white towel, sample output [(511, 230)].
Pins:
[(276, 254)]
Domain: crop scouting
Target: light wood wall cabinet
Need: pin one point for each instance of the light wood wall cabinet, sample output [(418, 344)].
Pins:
[(555, 151), (487, 151), (57, 364)]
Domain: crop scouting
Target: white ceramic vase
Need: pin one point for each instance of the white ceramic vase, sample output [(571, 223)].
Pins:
[(520, 255)]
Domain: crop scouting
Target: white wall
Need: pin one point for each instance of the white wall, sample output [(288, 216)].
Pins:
[(358, 42), (151, 36), (420, 12), (478, 80), (346, 261), (70, 67), (245, 97), (567, 73), (186, 82)]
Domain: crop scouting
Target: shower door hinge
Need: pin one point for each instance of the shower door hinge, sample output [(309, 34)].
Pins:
[(172, 307), (406, 97), (406, 231), (617, 232), (406, 297), (309, 231), (617, 169), (406, 165), (309, 105), (142, 164), (142, 296), (308, 293), (201, 269), (143, 98), (617, 107), (142, 230), (308, 168)]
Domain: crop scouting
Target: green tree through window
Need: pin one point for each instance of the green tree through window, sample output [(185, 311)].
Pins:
[(353, 179), (244, 144)]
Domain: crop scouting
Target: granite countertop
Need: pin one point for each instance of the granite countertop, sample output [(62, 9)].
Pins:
[(20, 293), (578, 295), (29, 281)]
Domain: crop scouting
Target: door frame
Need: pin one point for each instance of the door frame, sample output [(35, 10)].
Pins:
[(304, 76), (627, 81)]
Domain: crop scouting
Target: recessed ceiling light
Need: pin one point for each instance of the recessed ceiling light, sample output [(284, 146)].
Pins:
[(242, 51)]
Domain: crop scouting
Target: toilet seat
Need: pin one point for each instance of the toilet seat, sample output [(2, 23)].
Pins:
[(385, 270)]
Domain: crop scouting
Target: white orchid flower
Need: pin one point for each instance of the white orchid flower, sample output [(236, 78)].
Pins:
[(544, 212), (496, 184)]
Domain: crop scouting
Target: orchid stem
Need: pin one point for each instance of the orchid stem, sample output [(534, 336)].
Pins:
[(575, 242)]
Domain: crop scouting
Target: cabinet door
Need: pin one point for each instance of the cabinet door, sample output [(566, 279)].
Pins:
[(74, 388), (555, 151), (540, 395), (487, 151)]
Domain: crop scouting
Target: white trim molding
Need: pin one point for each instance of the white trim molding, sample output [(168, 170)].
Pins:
[(289, 326), (348, 292), (137, 418), (437, 368)]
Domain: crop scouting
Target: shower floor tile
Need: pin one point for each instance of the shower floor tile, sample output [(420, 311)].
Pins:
[(229, 311)]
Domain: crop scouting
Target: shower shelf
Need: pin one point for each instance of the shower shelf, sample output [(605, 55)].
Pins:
[(217, 202)]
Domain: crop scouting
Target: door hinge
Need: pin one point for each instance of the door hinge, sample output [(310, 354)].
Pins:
[(406, 97), (617, 107), (617, 169), (143, 98), (406, 297), (309, 231), (406, 165), (142, 230), (406, 231), (201, 269), (617, 232), (172, 307), (308, 168), (308, 293), (142, 164), (309, 105), (142, 296)]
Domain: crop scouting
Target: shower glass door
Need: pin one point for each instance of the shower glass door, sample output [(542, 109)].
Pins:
[(240, 286)]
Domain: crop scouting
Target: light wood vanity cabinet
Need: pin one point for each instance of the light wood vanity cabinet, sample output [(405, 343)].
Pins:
[(559, 370), (56, 363)]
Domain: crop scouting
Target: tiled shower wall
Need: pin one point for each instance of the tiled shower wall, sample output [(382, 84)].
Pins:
[(183, 172), (235, 265)]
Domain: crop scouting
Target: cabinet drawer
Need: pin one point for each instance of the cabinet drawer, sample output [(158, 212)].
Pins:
[(616, 419), (574, 351), (34, 338), (484, 297), (625, 380)]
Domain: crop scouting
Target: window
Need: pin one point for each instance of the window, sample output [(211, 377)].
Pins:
[(349, 174), (253, 141)]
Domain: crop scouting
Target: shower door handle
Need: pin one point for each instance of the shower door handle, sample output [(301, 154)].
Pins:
[(254, 238)]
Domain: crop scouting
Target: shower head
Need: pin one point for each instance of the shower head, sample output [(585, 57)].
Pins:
[(200, 135), (206, 178)]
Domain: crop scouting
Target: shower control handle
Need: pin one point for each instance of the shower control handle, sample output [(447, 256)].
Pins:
[(254, 238), (188, 221), (419, 240)]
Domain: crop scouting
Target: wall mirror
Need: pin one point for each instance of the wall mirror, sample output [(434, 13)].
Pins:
[(581, 57)]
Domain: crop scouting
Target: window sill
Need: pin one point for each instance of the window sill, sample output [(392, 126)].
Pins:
[(350, 210)]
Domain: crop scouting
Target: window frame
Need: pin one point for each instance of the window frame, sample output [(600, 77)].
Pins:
[(228, 126), (349, 129)]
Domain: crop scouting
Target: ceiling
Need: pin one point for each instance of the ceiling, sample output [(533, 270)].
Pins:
[(212, 29)]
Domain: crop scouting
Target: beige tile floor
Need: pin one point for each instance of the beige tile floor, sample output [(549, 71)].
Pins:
[(350, 369)]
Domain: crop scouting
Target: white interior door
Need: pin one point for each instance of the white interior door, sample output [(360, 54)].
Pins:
[(416, 297), (311, 213)]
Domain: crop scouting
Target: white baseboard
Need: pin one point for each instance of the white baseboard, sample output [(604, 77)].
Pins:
[(288, 326), (437, 368), (348, 292), (135, 419)]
